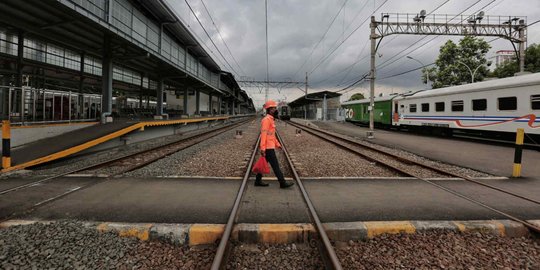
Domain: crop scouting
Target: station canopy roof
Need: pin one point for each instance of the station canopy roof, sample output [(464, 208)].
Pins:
[(313, 97)]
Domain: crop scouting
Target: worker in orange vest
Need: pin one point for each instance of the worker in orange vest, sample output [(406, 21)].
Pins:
[(269, 143)]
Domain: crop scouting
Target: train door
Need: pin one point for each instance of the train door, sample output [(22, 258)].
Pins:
[(395, 116)]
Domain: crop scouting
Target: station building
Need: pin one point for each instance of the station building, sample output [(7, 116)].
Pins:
[(323, 105), (73, 60)]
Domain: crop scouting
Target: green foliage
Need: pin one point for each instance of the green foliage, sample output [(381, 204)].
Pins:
[(507, 69), (357, 96), (532, 58), (451, 65), (532, 63)]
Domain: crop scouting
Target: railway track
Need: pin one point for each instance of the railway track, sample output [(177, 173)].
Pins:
[(411, 168), (122, 164), (325, 247)]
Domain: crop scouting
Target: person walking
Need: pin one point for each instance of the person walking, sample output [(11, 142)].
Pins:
[(269, 143)]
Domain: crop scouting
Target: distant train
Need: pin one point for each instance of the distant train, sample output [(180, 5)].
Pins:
[(284, 112), (497, 106)]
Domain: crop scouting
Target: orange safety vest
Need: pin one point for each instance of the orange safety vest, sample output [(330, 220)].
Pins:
[(268, 133)]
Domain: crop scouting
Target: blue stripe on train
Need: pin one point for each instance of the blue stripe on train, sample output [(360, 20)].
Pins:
[(470, 118)]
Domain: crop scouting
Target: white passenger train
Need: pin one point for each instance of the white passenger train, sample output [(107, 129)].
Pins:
[(501, 105)]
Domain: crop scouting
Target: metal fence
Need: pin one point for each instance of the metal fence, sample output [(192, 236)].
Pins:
[(29, 105)]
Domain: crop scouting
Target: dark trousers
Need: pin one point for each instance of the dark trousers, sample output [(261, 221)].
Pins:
[(271, 157)]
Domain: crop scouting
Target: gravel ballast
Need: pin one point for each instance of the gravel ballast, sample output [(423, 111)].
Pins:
[(221, 156), (314, 157), (441, 250), (70, 245), (347, 128), (262, 256)]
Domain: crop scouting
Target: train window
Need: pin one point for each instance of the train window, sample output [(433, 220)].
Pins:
[(412, 108), (479, 104), (535, 102), (457, 105), (425, 107), (439, 106), (507, 103)]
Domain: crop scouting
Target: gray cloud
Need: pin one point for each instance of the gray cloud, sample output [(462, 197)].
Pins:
[(295, 26)]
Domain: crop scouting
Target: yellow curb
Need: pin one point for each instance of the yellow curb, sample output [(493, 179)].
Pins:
[(375, 228), (141, 231), (284, 233), (203, 234), (500, 227), (481, 226), (461, 227), (17, 222)]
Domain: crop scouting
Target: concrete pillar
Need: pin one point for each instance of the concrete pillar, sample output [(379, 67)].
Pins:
[(159, 95), (233, 111), (107, 76), (197, 102), (186, 101), (219, 105)]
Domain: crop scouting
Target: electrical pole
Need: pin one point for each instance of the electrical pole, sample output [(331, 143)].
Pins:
[(522, 27), (305, 96), (267, 71), (373, 38)]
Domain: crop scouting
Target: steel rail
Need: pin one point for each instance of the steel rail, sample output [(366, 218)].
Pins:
[(527, 224), (222, 250), (118, 159), (439, 170), (330, 252)]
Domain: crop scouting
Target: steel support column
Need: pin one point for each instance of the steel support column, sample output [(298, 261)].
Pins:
[(373, 38)]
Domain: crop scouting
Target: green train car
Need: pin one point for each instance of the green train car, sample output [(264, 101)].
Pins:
[(357, 111)]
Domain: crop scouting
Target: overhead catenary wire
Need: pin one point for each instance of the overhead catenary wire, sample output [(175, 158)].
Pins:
[(347, 38), (322, 37), (380, 66), (386, 64), (209, 37), (221, 37), (350, 67)]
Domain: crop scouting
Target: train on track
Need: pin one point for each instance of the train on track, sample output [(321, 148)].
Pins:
[(497, 107), (284, 112)]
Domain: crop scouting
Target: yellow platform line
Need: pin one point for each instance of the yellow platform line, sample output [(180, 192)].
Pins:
[(53, 125), (116, 134)]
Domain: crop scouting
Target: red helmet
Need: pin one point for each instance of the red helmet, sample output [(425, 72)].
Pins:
[(269, 104)]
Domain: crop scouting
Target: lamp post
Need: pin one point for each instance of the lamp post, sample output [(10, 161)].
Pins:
[(475, 70), (422, 64)]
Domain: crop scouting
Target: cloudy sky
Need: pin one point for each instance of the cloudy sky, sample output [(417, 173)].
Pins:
[(295, 28)]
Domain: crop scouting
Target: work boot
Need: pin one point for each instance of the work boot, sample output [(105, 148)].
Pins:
[(260, 183), (285, 184)]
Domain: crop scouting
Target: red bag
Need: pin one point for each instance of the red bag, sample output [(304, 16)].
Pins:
[(261, 166)]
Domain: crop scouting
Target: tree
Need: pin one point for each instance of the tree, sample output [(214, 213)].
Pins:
[(357, 96), (451, 65), (532, 63), (507, 69)]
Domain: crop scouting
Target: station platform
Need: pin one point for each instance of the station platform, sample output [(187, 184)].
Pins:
[(69, 143)]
